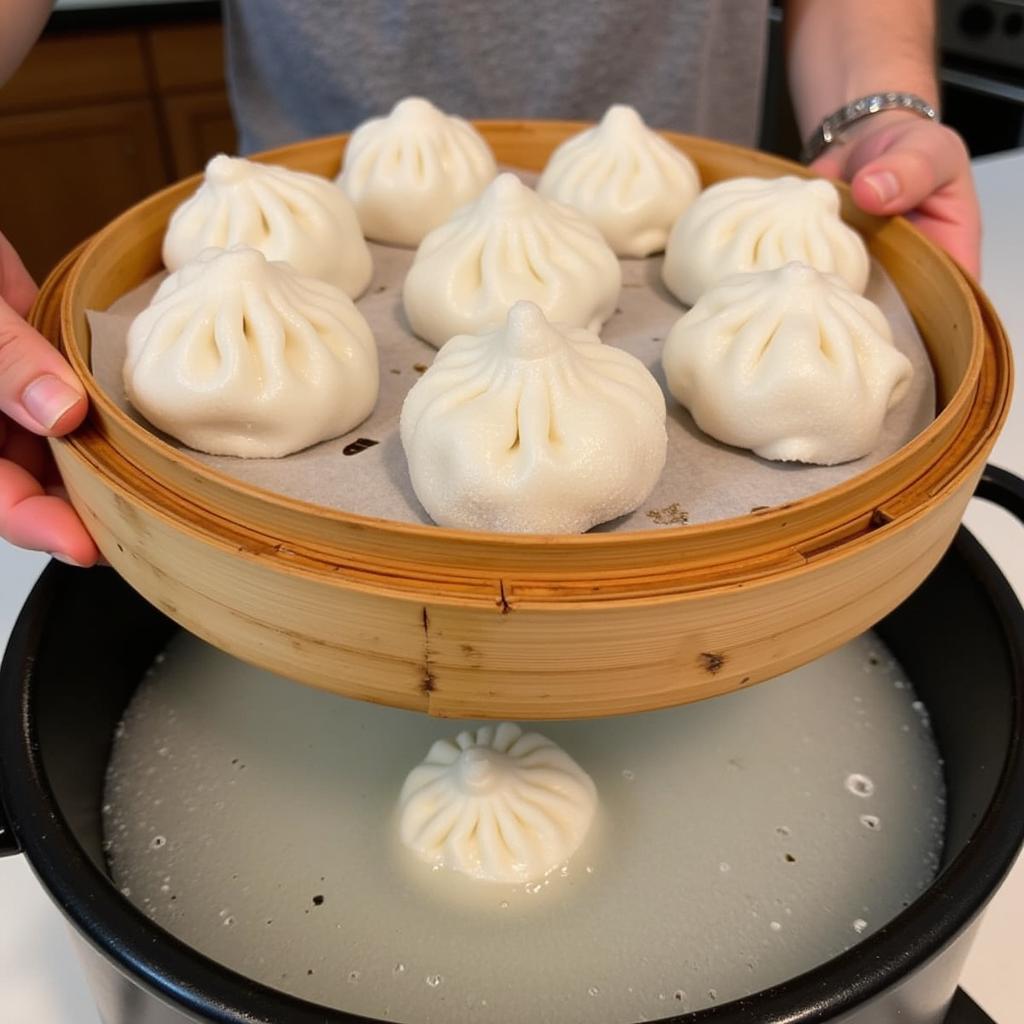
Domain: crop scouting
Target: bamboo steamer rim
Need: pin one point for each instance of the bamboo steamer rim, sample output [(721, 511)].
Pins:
[(727, 532)]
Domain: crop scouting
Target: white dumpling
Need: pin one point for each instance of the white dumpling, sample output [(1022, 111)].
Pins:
[(510, 244), (625, 178), (497, 804), (790, 363), (407, 173), (533, 428), (747, 224), (290, 216), (239, 356)]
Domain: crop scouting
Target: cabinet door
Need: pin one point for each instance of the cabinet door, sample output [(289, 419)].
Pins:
[(65, 173), (199, 126)]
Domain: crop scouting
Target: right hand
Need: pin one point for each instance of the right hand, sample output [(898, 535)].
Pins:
[(39, 397)]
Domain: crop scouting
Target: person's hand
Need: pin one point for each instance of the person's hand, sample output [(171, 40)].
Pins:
[(897, 162), (39, 397)]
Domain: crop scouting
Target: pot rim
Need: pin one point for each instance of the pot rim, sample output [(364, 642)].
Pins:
[(176, 973)]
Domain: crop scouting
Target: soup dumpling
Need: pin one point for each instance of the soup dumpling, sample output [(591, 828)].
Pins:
[(747, 224), (624, 178), (407, 173), (289, 216), (533, 428), (790, 363), (497, 804), (510, 244), (236, 355)]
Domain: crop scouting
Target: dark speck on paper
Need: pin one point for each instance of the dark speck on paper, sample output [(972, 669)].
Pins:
[(420, 367), (360, 444), (670, 515), (318, 900)]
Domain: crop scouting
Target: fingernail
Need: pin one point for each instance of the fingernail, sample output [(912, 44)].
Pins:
[(48, 398), (884, 184), (66, 559)]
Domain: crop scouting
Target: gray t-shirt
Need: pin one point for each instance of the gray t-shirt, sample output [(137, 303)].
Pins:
[(299, 68)]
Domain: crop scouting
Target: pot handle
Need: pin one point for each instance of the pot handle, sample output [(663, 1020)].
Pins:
[(1002, 487)]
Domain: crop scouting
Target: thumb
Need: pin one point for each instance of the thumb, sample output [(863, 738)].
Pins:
[(37, 388), (914, 166)]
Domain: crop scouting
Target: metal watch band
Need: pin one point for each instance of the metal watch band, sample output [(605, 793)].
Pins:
[(831, 129)]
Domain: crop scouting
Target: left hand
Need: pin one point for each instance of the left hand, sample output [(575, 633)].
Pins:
[(897, 162)]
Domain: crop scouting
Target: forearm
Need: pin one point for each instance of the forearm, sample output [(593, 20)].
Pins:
[(21, 21), (839, 50)]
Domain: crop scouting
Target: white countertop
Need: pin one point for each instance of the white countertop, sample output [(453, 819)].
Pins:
[(40, 980)]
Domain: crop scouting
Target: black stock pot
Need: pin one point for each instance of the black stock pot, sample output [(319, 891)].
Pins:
[(84, 640)]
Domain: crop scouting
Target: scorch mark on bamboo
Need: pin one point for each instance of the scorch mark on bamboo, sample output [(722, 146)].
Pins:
[(427, 685), (712, 663)]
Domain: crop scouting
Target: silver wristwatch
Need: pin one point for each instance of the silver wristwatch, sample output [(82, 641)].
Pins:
[(831, 129)]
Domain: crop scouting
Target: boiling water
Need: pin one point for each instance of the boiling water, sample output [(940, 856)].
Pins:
[(739, 842)]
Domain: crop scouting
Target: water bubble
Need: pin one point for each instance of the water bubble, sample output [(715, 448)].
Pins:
[(871, 821), (534, 888), (353, 977), (628, 775), (724, 867), (593, 991), (503, 905), (899, 684), (859, 785), (229, 921), (712, 993), (165, 887), (783, 830), (775, 926), (126, 890), (859, 925), (433, 980), (164, 751), (157, 842), (398, 969), (107, 808)]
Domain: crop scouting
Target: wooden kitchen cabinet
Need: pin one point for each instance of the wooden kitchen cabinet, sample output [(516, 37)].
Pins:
[(94, 121), (198, 126), (65, 173)]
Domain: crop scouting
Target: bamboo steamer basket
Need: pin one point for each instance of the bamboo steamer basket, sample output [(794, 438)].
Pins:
[(464, 624)]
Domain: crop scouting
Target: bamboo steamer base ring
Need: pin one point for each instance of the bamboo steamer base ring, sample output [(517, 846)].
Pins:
[(476, 625)]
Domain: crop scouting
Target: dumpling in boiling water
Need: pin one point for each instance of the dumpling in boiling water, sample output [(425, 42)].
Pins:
[(790, 363), (407, 173), (499, 805), (239, 356), (625, 179), (533, 428), (298, 218), (510, 244), (747, 224)]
